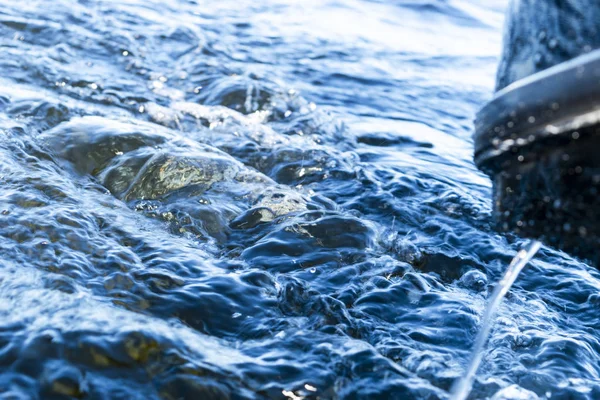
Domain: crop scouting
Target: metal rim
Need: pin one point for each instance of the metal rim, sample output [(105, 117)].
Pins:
[(558, 100)]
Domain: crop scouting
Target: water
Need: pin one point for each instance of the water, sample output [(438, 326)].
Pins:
[(270, 200), (463, 386)]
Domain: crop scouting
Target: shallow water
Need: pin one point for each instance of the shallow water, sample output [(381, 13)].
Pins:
[(273, 199)]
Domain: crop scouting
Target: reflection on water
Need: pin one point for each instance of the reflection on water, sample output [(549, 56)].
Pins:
[(274, 199)]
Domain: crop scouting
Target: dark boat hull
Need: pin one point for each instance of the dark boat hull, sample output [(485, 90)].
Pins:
[(539, 141)]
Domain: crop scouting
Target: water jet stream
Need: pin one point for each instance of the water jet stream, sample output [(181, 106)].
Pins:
[(462, 388)]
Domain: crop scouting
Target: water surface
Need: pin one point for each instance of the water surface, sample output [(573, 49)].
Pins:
[(271, 200)]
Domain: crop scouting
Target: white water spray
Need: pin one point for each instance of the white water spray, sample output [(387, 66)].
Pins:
[(462, 388)]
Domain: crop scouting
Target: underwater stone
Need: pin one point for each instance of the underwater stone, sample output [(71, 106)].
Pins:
[(63, 380), (164, 173), (281, 202), (91, 142), (253, 217)]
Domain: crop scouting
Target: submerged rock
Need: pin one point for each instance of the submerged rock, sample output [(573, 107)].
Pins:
[(165, 173), (90, 143), (195, 187)]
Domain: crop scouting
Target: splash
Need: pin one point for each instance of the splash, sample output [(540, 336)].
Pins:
[(463, 387)]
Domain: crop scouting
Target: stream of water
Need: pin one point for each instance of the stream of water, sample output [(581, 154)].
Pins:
[(463, 387)]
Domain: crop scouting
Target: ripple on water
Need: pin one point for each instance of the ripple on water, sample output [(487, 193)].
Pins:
[(238, 200)]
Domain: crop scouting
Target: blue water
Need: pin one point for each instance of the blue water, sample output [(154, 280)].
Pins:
[(271, 200)]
